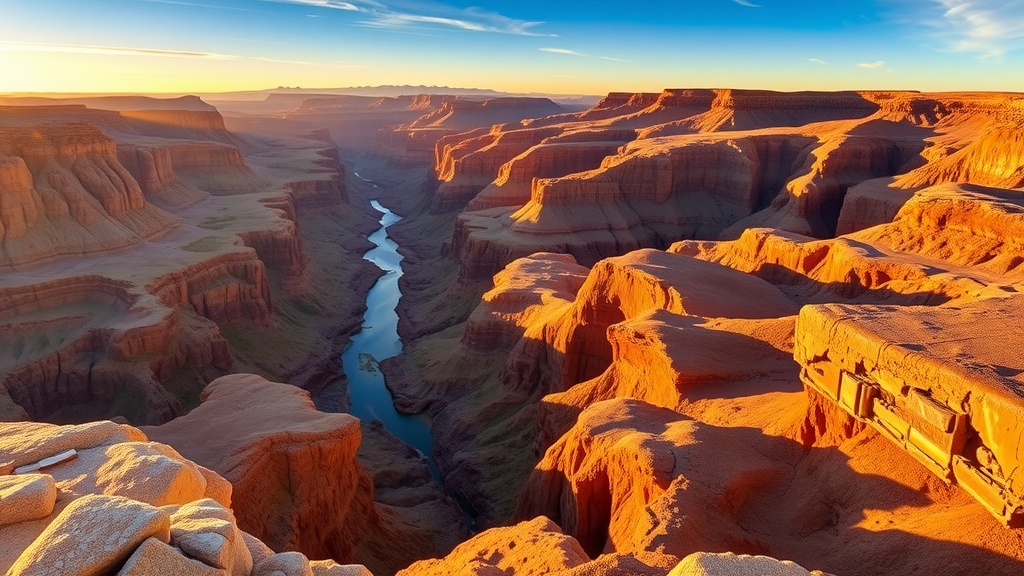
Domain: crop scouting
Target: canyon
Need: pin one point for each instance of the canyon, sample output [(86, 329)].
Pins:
[(689, 332)]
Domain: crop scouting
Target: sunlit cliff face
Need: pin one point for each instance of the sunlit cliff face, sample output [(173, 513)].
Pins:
[(673, 333)]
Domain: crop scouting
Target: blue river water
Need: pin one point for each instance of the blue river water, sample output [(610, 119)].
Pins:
[(378, 340)]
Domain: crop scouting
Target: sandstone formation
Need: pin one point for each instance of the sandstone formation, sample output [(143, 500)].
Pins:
[(678, 333), (69, 195), (531, 548), (525, 293), (466, 163), (419, 138), (408, 127), (208, 219), (267, 444), (700, 164), (290, 464), (538, 547), (124, 505), (892, 367), (887, 207), (705, 564)]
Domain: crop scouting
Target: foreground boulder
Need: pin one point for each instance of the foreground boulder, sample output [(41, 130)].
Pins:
[(298, 483), (269, 441), (706, 564), (118, 503), (537, 547)]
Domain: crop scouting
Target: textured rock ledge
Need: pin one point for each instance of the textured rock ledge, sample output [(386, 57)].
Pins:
[(125, 505)]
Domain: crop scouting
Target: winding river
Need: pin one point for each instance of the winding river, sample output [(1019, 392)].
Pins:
[(378, 340)]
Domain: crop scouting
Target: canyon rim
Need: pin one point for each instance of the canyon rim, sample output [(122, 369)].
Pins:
[(594, 318)]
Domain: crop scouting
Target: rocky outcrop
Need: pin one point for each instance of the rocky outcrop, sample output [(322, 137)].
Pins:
[(298, 485), (812, 202), (603, 480), (663, 358), (329, 190), (466, 164), (69, 196), (870, 203), (153, 168), (225, 288), (731, 160), (649, 195), (267, 439), (465, 115), (119, 502), (91, 352), (574, 347), (919, 258), (512, 187), (527, 292), (182, 124), (706, 564), (536, 547), (888, 366)]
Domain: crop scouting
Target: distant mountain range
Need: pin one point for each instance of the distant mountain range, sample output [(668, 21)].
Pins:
[(583, 100), (392, 91)]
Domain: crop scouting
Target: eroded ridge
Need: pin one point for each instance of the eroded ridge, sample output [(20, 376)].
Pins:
[(944, 384)]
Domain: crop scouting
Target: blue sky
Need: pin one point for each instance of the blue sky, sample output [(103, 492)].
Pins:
[(523, 46)]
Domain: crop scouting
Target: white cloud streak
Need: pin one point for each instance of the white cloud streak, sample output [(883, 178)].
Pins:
[(818, 61), (566, 52), (871, 65), (426, 15), (988, 28), (747, 4), (332, 4), (561, 51), (108, 50), (94, 49), (198, 5)]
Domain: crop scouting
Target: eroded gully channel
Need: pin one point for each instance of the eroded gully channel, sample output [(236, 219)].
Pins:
[(376, 341)]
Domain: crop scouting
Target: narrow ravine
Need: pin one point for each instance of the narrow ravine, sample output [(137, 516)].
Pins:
[(378, 340), (368, 397)]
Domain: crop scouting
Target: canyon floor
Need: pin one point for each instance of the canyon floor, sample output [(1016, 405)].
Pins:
[(688, 332)]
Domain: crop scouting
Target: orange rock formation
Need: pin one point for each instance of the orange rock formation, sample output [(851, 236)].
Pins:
[(162, 184), (298, 485), (699, 164), (893, 215)]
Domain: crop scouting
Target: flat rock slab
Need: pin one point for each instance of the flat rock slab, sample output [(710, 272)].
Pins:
[(92, 536)]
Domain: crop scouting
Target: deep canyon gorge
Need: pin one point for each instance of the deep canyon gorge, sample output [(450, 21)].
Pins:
[(689, 332)]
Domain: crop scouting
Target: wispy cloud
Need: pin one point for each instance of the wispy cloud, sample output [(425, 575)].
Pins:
[(562, 51), (427, 15), (332, 4), (6, 46), (817, 61), (988, 28), (566, 52), (871, 65), (108, 50), (747, 4), (198, 5)]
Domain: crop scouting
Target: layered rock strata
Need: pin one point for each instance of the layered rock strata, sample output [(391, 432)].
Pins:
[(729, 160), (272, 444), (208, 219)]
